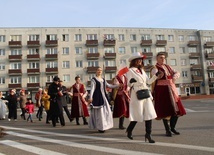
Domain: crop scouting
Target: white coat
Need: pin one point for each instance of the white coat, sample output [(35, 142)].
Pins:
[(140, 110)]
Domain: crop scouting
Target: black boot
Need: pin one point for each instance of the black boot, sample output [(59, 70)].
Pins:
[(148, 125), (77, 121), (130, 128), (173, 122), (121, 120), (166, 125), (84, 121)]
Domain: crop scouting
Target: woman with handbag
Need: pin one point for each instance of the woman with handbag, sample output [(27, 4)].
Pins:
[(141, 107)]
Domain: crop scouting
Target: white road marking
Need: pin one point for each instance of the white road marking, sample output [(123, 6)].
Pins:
[(28, 148), (189, 110)]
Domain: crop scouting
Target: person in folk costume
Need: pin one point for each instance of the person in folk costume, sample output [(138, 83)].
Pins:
[(79, 105), (56, 110), (3, 107), (46, 102), (101, 115), (168, 104), (39, 104), (139, 109), (22, 101), (121, 97)]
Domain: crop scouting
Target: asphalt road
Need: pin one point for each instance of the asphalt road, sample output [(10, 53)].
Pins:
[(196, 128)]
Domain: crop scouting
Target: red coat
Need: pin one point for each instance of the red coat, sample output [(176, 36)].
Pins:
[(29, 108)]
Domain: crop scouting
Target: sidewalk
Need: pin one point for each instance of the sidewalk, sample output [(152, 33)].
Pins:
[(195, 97)]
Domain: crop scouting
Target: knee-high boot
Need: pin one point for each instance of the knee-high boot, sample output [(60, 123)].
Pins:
[(77, 121), (173, 122), (84, 121), (121, 121), (167, 128), (148, 125), (130, 128)]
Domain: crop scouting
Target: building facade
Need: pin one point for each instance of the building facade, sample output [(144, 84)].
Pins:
[(30, 57)]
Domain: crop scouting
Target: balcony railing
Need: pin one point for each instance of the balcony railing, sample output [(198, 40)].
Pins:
[(110, 69), (51, 43), (209, 55), (33, 71), (110, 55), (51, 56), (210, 67), (195, 67), (51, 70), (161, 42), (148, 54), (211, 80), (15, 72), (92, 69), (33, 57), (194, 55), (15, 57), (33, 43), (193, 43), (15, 44), (197, 78), (209, 44), (146, 42), (33, 85), (109, 42), (92, 56), (91, 43), (15, 85)]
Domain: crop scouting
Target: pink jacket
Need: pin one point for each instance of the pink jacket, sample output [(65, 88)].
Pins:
[(29, 108)]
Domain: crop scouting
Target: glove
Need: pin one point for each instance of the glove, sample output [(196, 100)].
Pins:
[(132, 80)]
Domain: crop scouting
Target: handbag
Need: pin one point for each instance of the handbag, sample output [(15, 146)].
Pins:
[(142, 94)]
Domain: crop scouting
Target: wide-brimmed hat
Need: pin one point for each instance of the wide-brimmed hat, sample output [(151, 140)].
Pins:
[(136, 55)]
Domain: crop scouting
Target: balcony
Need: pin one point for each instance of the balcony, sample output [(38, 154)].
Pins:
[(195, 67), (15, 44), (194, 55), (197, 78), (51, 43), (15, 85), (148, 67), (111, 69), (193, 43), (91, 43), (33, 71), (148, 54), (161, 42), (211, 68), (33, 57), (51, 56), (110, 56), (15, 72), (146, 43), (51, 70), (109, 42), (33, 85), (211, 80), (209, 44), (15, 57), (33, 43), (209, 55), (92, 69), (92, 56)]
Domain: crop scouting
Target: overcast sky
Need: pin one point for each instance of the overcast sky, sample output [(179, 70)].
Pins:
[(183, 14)]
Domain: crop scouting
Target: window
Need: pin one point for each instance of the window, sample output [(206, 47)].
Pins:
[(145, 37), (121, 37), (93, 63), (52, 51), (122, 50), (78, 50), (66, 64), (134, 49), (14, 80), (78, 37), (210, 63), (184, 74), (180, 38), (52, 64), (90, 76), (173, 62), (207, 38), (123, 61), (146, 49), (109, 76), (182, 50), (79, 63), (2, 80), (172, 50), (2, 65), (2, 38), (109, 50), (33, 51), (91, 37), (208, 50), (16, 52), (50, 78), (33, 65), (33, 79), (110, 63), (65, 37), (193, 61), (92, 50), (196, 73), (183, 62), (33, 38), (51, 37), (192, 49), (109, 36), (170, 38), (211, 74), (2, 52), (160, 37), (160, 49), (133, 37), (15, 37), (192, 38), (66, 78), (147, 62), (65, 50), (15, 65)]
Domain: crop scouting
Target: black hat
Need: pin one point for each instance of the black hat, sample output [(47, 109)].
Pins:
[(56, 78)]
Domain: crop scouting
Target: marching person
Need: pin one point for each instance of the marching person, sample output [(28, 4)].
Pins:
[(30, 110), (168, 104), (39, 104), (46, 102), (22, 101), (141, 109), (3, 107)]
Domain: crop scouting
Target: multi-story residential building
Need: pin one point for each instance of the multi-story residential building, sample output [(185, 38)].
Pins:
[(30, 57)]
